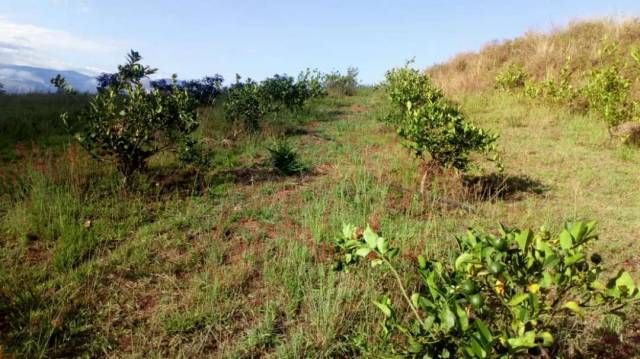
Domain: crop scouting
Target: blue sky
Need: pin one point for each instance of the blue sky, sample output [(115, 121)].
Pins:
[(259, 38)]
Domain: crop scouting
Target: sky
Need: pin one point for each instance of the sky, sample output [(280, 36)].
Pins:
[(259, 38)]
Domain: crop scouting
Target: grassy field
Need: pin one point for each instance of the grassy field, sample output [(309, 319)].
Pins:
[(237, 261)]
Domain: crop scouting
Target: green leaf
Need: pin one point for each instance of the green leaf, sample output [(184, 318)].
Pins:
[(579, 231), (370, 237), (462, 318), (462, 259), (547, 339), (518, 299), (363, 252), (428, 322), (384, 308), (484, 331), (574, 307), (348, 230), (422, 262), (382, 245), (477, 349), (415, 299), (566, 241), (569, 261), (528, 340), (447, 319), (524, 239), (625, 283)]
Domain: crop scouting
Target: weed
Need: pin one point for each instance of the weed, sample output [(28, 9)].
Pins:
[(285, 158)]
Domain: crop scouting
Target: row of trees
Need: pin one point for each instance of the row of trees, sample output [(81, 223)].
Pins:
[(128, 122), (511, 295)]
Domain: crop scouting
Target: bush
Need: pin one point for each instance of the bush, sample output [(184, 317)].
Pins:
[(504, 296), (607, 92), (127, 123), (243, 105), (281, 92), (1, 89), (431, 124), (313, 83), (512, 77), (342, 85), (284, 158)]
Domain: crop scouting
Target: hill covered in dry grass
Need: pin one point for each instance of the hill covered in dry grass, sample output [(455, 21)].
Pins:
[(583, 45)]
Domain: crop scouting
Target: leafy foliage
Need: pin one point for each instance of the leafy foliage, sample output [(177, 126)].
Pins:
[(313, 81), (504, 295), (283, 92), (248, 102), (342, 85), (558, 91), (431, 124), (607, 91), (1, 89), (127, 123), (285, 159), (512, 77), (243, 104)]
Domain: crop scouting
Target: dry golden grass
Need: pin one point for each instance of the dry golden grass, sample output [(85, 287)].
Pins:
[(542, 54)]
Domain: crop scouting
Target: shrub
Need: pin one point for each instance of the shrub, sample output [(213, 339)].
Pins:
[(129, 124), (532, 89), (342, 85), (243, 105), (504, 296), (607, 92), (512, 77), (283, 92), (1, 89), (285, 159), (431, 124), (313, 83)]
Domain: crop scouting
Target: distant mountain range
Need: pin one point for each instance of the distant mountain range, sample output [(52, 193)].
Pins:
[(25, 79)]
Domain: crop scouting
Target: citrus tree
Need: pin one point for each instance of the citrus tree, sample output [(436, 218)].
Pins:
[(129, 124), (431, 126), (504, 295)]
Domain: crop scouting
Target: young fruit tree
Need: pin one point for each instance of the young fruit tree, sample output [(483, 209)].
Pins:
[(432, 125), (129, 124), (508, 295)]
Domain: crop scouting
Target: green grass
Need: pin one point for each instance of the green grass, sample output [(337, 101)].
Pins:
[(236, 261)]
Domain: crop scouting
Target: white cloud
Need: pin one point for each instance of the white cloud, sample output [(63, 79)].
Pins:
[(31, 45)]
